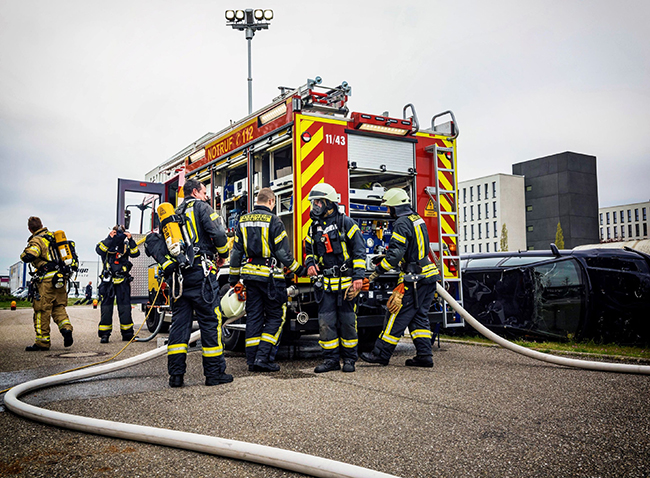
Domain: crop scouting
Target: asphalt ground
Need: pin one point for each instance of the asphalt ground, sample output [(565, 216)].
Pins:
[(481, 411)]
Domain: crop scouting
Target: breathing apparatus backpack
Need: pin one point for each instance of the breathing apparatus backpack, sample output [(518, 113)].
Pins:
[(177, 239), (64, 256)]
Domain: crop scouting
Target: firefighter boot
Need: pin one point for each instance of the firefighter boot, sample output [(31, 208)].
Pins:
[(35, 348), (420, 361), (370, 357), (175, 381), (104, 339), (218, 379), (328, 366), (261, 365), (127, 337), (348, 365), (67, 337)]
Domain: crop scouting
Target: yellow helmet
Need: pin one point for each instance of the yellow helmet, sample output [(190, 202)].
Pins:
[(323, 191), (395, 197), (231, 306)]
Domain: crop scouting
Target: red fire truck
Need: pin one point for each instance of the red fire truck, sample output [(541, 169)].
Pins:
[(305, 136)]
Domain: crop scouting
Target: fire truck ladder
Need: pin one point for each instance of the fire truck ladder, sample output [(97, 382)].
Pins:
[(445, 199)]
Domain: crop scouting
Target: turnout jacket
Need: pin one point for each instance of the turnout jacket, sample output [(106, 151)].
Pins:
[(206, 234), (409, 247), (39, 253), (115, 253), (347, 260), (261, 238)]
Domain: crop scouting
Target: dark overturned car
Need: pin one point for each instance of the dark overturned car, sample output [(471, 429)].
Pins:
[(581, 294)]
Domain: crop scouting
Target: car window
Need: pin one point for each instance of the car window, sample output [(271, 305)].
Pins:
[(483, 262), (524, 260), (626, 264)]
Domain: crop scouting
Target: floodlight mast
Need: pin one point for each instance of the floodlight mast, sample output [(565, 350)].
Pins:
[(249, 21)]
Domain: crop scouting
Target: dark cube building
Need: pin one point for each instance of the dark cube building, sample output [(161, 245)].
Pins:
[(560, 188)]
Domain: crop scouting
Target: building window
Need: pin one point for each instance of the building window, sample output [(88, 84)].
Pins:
[(529, 228), (480, 248), (465, 213), (479, 232), (622, 217), (529, 188), (478, 196), (529, 208), (607, 216), (471, 194), (486, 191), (487, 211), (644, 216), (495, 229), (622, 232), (464, 195), (494, 189), (615, 232), (487, 244), (601, 233), (636, 214), (465, 249), (464, 233), (609, 236), (471, 213), (472, 232), (494, 209), (629, 230), (478, 211), (629, 215), (645, 229), (601, 218), (472, 247), (496, 249), (636, 227), (614, 217), (487, 230)]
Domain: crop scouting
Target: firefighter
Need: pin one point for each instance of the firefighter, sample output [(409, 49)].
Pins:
[(115, 252), (47, 287), (198, 289), (409, 303), (336, 251), (262, 245)]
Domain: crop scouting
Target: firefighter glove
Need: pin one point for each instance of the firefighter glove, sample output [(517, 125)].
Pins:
[(394, 303), (240, 290), (377, 259), (301, 271)]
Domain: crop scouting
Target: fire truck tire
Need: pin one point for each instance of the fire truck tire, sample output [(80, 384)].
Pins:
[(233, 340), (152, 321)]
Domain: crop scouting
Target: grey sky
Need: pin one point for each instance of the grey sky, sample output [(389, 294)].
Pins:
[(93, 91)]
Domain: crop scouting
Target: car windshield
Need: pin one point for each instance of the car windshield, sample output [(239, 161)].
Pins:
[(483, 262), (524, 260)]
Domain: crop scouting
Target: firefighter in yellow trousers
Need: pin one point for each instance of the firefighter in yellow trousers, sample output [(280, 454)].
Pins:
[(50, 295)]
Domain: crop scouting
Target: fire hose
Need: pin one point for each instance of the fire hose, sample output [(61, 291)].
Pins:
[(285, 459)]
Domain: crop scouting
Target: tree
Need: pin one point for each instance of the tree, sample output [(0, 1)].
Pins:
[(559, 237), (504, 238)]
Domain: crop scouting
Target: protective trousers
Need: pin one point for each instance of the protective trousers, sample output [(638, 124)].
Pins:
[(265, 316), (111, 291), (411, 315), (208, 315), (51, 303), (338, 327)]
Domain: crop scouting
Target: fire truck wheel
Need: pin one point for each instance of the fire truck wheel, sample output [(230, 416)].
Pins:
[(152, 321)]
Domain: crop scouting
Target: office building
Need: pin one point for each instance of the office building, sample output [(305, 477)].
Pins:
[(561, 188), (485, 204)]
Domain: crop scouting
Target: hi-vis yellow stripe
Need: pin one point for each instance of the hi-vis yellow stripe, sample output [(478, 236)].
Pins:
[(447, 225), (445, 204), (315, 140), (446, 181), (309, 173), (444, 161)]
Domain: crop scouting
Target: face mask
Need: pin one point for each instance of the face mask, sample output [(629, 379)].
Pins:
[(317, 210)]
